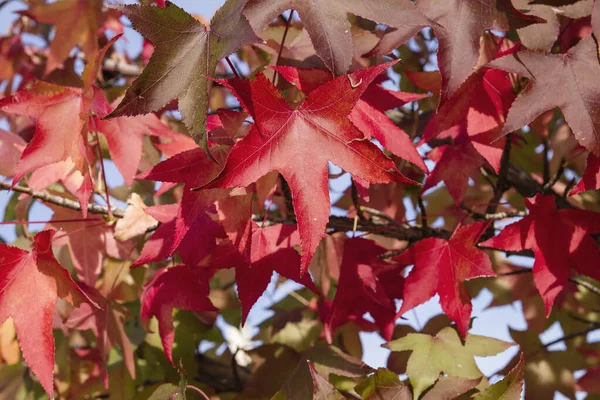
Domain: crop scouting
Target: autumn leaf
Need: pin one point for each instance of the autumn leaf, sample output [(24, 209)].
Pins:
[(560, 240), (328, 26), (366, 284), (182, 43), (368, 113), (508, 388), (107, 323), (136, 221), (268, 250), (441, 266), (285, 139), (458, 26), (451, 388), (575, 70), (322, 389), (383, 385), (591, 177), (86, 240), (11, 147), (30, 284), (444, 352), (181, 286), (77, 23), (546, 372)]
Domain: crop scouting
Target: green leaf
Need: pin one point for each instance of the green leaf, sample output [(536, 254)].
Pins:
[(445, 353), (383, 385), (164, 391), (509, 388), (185, 54), (322, 390), (450, 387)]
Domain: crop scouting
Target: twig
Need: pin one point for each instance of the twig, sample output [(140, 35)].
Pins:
[(502, 184), (62, 201), (285, 33), (424, 224), (579, 282), (355, 199), (546, 164), (233, 69), (557, 175), (573, 335), (517, 272)]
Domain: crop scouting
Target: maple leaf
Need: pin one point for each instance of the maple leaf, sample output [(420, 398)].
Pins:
[(441, 266), (322, 389), (266, 251), (458, 25), (560, 240), (576, 94), (510, 387), (180, 286), (86, 240), (11, 147), (29, 286), (382, 385), (545, 371), (285, 139), (477, 110), (366, 284), (444, 352), (52, 142), (591, 177), (450, 388), (455, 164), (328, 26), (77, 22), (107, 324), (182, 43), (368, 113), (124, 139), (191, 231), (68, 141)]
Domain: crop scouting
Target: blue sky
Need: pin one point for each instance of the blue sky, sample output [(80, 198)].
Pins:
[(492, 323)]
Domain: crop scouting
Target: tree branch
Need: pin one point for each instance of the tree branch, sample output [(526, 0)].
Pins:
[(62, 201)]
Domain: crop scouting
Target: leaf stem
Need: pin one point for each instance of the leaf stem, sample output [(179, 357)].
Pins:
[(99, 150), (197, 390)]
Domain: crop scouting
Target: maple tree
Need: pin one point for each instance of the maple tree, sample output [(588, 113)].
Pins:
[(324, 172)]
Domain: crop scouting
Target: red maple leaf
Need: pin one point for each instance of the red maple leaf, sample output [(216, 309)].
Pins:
[(368, 113), (366, 284), (107, 324), (180, 286), (191, 232), (472, 117), (328, 26), (591, 177), (255, 259), (458, 26), (29, 286), (441, 266), (299, 143), (560, 240), (76, 22), (567, 81)]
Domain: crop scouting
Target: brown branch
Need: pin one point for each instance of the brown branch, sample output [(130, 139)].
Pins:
[(573, 335), (62, 201)]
